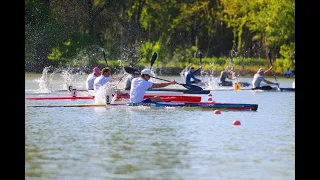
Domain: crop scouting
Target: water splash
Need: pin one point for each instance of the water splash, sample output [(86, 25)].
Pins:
[(87, 57), (67, 77), (207, 79), (44, 81), (100, 95), (210, 82)]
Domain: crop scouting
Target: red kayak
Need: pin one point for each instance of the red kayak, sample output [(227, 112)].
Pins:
[(60, 98), (167, 98)]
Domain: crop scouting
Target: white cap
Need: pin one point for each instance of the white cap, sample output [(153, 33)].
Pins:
[(146, 71), (260, 70)]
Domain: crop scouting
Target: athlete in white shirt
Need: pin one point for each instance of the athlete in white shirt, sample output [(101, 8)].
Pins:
[(140, 85), (91, 77), (259, 77), (103, 79)]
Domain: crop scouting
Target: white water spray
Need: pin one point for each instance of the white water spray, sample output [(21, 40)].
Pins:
[(44, 81)]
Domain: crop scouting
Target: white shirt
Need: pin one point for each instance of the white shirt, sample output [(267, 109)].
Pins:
[(257, 79), (139, 87), (100, 81), (128, 81), (90, 80)]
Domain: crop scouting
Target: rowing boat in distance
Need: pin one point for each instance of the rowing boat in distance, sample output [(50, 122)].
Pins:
[(275, 89), (258, 90)]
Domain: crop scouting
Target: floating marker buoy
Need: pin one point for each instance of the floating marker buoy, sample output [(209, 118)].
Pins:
[(216, 112), (237, 86), (209, 99), (236, 122), (209, 94)]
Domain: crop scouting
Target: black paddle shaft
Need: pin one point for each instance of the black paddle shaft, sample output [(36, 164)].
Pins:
[(190, 87), (270, 59), (105, 57), (153, 59), (269, 55)]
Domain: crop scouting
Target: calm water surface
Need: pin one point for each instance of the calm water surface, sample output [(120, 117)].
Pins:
[(160, 143)]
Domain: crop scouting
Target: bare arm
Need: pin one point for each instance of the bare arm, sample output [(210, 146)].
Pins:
[(269, 82), (164, 84), (197, 69), (268, 69)]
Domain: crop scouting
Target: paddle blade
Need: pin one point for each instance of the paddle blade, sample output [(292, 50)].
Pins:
[(192, 87), (131, 70), (153, 59)]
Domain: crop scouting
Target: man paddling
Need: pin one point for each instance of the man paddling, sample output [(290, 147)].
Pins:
[(128, 81), (190, 75), (223, 76), (140, 85), (102, 79), (259, 77), (91, 77)]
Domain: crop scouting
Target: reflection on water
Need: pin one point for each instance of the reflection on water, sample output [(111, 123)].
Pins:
[(160, 143)]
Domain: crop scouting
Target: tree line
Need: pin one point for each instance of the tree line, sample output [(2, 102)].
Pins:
[(74, 32)]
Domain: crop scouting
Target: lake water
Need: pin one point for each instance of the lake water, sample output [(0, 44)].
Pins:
[(159, 143)]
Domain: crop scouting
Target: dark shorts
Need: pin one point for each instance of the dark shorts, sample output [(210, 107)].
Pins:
[(148, 100), (263, 88), (226, 83)]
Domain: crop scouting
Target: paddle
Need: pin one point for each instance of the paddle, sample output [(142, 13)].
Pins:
[(105, 57), (269, 55), (190, 87), (153, 59), (133, 71), (200, 56)]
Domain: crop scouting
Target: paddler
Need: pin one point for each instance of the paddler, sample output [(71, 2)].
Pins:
[(91, 77), (224, 75), (259, 77), (190, 75), (128, 81), (140, 85), (102, 79)]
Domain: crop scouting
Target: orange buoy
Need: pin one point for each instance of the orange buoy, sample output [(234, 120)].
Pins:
[(236, 122), (237, 86)]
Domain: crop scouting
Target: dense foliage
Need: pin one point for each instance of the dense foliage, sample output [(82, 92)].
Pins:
[(74, 32)]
